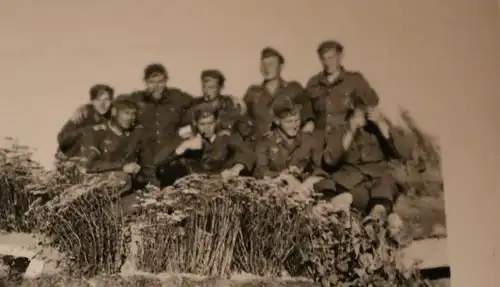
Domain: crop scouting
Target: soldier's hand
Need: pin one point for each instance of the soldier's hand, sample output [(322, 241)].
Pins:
[(375, 116), (239, 104), (357, 120), (79, 114), (186, 132), (288, 179), (232, 172), (194, 143), (131, 168), (308, 127)]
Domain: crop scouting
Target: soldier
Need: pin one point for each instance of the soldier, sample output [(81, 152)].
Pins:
[(259, 98), (160, 114), (95, 112), (209, 151), (335, 90), (288, 153), (230, 111), (113, 149), (361, 153)]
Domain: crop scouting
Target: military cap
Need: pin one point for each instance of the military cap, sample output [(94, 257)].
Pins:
[(203, 110), (99, 89), (213, 74), (271, 52), (154, 69), (328, 45), (124, 101), (284, 106)]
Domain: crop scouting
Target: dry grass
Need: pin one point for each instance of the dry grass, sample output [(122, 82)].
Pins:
[(206, 226)]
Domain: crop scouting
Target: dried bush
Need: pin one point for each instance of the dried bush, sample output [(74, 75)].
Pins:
[(208, 226), (17, 171), (264, 227), (421, 171), (80, 221)]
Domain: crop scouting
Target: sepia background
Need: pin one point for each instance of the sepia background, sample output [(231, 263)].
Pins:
[(439, 59)]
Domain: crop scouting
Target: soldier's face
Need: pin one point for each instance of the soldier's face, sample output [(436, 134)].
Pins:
[(270, 68), (331, 60), (211, 88), (290, 125), (206, 126), (156, 83), (125, 117), (102, 103)]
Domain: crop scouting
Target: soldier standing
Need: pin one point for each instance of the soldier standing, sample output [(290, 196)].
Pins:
[(259, 98), (334, 91), (113, 149), (161, 110), (70, 138), (230, 112), (208, 151)]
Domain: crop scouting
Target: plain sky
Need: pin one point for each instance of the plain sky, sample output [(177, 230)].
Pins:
[(439, 59)]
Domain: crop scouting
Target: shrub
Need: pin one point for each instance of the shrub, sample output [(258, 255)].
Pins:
[(208, 226), (265, 226), (81, 222), (17, 171)]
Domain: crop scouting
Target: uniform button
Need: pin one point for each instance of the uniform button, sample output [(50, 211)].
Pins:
[(157, 132)]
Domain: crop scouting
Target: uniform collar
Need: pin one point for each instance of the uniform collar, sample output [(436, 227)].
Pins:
[(117, 130), (281, 84), (288, 143), (210, 140), (149, 97), (323, 77)]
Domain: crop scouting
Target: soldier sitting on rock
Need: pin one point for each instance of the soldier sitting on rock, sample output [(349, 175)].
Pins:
[(70, 138), (361, 151), (287, 153), (209, 150), (113, 149)]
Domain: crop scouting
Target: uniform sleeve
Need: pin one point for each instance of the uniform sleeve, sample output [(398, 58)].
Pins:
[(401, 144), (248, 99), (303, 99), (334, 149), (243, 154), (187, 117), (167, 153), (186, 100), (317, 157), (309, 91), (365, 91), (262, 162), (96, 163), (69, 134)]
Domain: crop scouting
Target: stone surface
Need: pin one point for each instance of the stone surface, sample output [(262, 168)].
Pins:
[(431, 253)]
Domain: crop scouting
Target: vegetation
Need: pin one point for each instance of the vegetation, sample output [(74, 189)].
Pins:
[(206, 226)]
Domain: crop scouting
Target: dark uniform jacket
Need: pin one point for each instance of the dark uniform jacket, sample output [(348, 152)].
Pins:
[(259, 102), (276, 154), (332, 101), (368, 155), (160, 121), (108, 149), (223, 151), (70, 138)]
